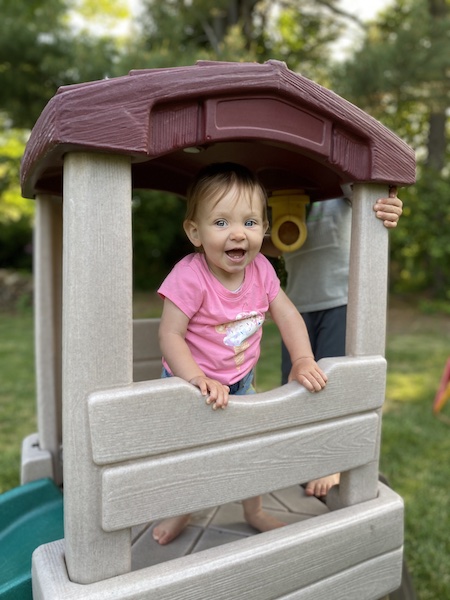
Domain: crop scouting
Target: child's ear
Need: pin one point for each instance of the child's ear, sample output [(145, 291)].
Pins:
[(191, 230)]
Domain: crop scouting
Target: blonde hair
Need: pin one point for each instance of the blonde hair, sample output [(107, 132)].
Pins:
[(216, 180)]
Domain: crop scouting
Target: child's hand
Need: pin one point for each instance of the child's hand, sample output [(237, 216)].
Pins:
[(216, 392), (306, 371)]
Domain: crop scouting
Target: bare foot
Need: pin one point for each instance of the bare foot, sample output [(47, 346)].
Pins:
[(169, 529), (320, 487), (262, 521), (257, 517)]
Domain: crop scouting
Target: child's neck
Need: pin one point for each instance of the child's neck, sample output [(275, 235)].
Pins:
[(231, 281)]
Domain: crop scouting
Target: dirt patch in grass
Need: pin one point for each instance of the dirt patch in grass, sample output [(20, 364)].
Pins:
[(405, 316)]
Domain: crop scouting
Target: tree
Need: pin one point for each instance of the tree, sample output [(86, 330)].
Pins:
[(159, 240), (15, 212), (179, 32), (14, 207), (400, 75), (420, 246), (40, 50)]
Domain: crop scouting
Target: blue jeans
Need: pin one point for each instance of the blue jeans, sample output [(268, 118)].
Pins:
[(240, 388)]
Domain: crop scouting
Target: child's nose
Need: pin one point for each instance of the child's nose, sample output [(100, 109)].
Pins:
[(238, 232)]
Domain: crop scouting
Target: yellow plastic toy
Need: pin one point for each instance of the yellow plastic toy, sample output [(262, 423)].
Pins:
[(289, 231)]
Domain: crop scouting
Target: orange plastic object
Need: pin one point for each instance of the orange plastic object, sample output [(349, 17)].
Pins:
[(443, 393)]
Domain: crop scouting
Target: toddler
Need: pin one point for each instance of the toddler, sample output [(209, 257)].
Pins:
[(215, 302)]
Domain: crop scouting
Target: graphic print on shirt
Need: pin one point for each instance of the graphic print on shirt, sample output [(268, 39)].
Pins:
[(238, 331)]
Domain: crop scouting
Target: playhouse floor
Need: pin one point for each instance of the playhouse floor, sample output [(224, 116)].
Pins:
[(221, 525)]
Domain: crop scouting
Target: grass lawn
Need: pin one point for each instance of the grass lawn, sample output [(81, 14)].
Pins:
[(415, 443), (17, 392)]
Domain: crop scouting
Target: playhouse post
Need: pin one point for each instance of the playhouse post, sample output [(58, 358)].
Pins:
[(97, 345), (367, 301), (47, 272), (366, 314)]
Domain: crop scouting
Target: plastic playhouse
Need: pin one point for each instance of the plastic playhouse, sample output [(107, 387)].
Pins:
[(109, 427)]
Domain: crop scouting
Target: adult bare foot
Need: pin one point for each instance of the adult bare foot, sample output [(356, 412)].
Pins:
[(169, 529), (320, 487)]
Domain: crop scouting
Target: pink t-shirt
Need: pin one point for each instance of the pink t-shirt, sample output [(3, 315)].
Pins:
[(225, 328)]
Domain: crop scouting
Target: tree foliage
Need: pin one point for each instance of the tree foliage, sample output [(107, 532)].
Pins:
[(180, 32), (420, 246), (14, 207), (399, 74), (40, 50), (158, 236), (15, 212)]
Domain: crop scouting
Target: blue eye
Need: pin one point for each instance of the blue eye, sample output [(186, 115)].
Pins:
[(220, 223), (250, 223)]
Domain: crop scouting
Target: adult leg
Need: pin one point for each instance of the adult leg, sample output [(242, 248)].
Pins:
[(329, 332), (326, 329), (329, 339), (311, 321)]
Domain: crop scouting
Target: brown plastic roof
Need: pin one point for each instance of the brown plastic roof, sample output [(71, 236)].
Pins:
[(288, 129)]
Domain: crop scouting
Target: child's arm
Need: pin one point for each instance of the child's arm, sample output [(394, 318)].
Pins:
[(295, 336), (172, 332)]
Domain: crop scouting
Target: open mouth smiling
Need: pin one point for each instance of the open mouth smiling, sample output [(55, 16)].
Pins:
[(236, 253)]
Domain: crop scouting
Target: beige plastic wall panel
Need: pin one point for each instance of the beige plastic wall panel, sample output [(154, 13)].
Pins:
[(304, 558), (366, 311), (35, 463), (48, 308), (358, 485), (192, 480), (367, 298), (97, 344), (370, 580), (143, 419)]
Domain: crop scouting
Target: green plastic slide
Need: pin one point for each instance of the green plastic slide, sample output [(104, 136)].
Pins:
[(30, 515)]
